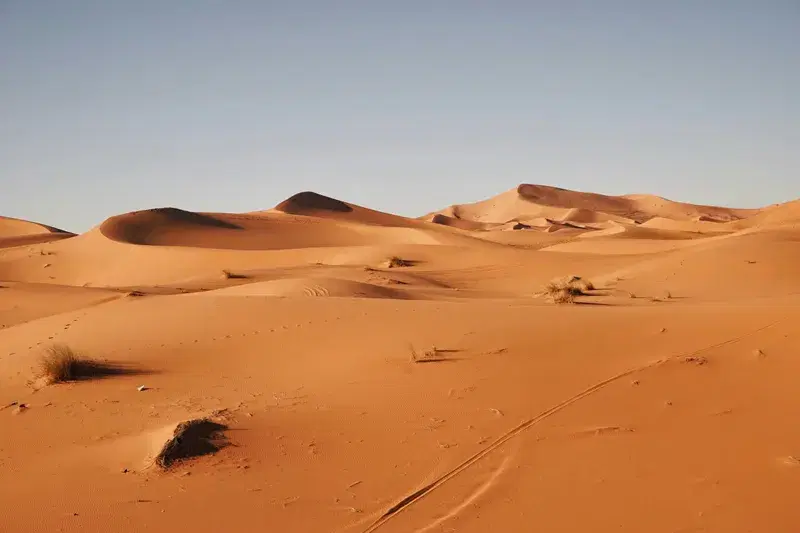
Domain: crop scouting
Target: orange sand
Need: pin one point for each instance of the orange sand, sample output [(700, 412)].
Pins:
[(663, 401)]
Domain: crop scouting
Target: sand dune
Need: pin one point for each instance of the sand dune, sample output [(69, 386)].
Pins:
[(266, 231), (782, 214), (14, 227), (695, 226), (316, 205), (16, 232), (564, 205), (374, 372)]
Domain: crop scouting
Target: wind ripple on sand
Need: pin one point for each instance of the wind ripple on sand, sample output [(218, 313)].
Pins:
[(310, 286)]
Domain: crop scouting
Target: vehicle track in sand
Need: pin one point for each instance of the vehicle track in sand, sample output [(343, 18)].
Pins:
[(418, 495)]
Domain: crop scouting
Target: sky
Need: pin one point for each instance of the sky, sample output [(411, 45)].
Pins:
[(110, 106)]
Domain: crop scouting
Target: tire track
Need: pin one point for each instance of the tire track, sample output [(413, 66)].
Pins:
[(416, 496)]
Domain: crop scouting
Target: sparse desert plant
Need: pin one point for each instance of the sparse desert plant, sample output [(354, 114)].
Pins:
[(581, 283), (227, 274), (394, 262), (565, 291), (61, 363), (134, 294), (428, 356), (561, 295)]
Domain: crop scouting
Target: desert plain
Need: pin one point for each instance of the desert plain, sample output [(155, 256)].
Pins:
[(365, 371)]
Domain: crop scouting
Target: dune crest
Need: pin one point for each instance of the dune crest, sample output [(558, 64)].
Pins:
[(564, 205), (18, 232), (308, 202), (154, 226)]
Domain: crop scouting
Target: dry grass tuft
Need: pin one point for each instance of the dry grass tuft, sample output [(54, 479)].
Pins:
[(227, 274), (191, 439), (561, 295), (134, 294), (395, 262), (580, 283), (432, 355), (565, 291), (61, 363)]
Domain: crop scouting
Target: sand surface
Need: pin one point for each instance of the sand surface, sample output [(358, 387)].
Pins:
[(381, 373)]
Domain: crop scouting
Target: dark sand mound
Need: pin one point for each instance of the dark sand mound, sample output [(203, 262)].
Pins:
[(192, 438)]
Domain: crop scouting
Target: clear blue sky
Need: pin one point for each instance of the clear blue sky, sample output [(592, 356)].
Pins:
[(111, 106)]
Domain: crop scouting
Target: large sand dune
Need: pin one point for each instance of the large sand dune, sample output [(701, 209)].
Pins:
[(365, 371), (528, 201)]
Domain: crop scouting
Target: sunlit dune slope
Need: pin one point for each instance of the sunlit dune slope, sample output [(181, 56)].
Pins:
[(17, 232), (528, 201)]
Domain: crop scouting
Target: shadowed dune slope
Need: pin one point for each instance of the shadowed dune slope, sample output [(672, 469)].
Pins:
[(269, 230), (165, 226), (453, 222), (312, 204)]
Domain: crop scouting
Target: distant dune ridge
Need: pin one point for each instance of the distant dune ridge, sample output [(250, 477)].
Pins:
[(526, 206), (16, 232), (534, 201), (308, 223), (263, 367)]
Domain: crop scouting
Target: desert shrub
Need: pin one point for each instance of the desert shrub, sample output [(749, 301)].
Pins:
[(61, 363), (564, 291), (394, 262)]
